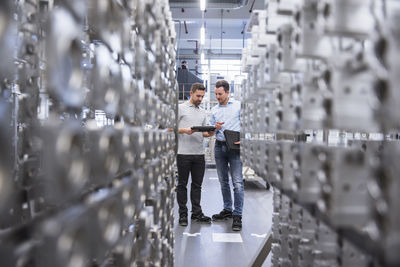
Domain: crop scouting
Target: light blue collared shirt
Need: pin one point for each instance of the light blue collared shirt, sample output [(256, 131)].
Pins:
[(229, 114)]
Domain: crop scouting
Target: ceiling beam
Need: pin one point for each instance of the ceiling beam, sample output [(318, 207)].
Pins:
[(231, 4), (209, 55)]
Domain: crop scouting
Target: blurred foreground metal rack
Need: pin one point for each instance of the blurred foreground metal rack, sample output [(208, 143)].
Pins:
[(321, 122), (87, 95)]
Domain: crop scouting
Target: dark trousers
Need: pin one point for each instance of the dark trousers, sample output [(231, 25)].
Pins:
[(195, 165)]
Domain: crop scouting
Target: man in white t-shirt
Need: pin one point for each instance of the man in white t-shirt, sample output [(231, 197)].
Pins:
[(190, 158)]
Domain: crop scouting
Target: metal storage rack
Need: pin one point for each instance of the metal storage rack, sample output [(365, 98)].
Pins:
[(323, 85), (87, 93)]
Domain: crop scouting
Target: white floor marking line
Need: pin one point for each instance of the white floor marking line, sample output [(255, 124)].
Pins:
[(189, 234), (227, 237), (213, 178), (259, 236)]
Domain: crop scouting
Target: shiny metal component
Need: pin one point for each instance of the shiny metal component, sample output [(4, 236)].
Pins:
[(286, 6), (66, 170), (386, 66), (109, 215), (326, 246), (313, 158), (5, 8), (352, 90), (10, 200), (6, 44), (351, 256), (286, 54), (64, 53), (108, 20), (307, 241), (347, 18), (263, 159), (66, 239), (25, 93), (290, 168), (140, 107), (123, 253), (127, 142), (384, 206), (103, 154), (127, 96), (142, 252), (274, 163), (272, 56), (309, 39), (129, 187), (346, 199), (107, 81), (291, 104), (294, 233), (313, 111)]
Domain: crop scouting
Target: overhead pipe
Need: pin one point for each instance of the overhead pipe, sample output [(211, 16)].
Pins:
[(209, 54), (222, 13), (252, 6), (178, 42), (196, 52), (186, 30)]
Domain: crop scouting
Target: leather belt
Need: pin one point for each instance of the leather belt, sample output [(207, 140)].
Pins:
[(220, 143)]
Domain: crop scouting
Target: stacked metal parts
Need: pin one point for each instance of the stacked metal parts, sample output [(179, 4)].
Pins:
[(320, 116), (74, 190)]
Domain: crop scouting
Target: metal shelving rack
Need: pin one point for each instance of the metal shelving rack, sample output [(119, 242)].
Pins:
[(320, 123)]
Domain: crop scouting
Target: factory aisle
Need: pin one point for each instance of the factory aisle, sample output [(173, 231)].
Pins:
[(199, 245)]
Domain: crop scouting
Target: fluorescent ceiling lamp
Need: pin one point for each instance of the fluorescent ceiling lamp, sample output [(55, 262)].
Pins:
[(202, 35), (202, 58), (202, 5)]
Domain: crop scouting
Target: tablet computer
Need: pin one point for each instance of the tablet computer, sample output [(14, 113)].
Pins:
[(203, 128), (231, 137)]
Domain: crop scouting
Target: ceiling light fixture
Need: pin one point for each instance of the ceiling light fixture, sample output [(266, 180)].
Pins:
[(202, 5), (202, 35), (202, 58)]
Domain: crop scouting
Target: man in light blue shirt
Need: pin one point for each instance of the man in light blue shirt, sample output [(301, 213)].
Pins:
[(226, 116)]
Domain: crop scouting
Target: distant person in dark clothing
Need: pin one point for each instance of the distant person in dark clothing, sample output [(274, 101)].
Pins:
[(183, 65)]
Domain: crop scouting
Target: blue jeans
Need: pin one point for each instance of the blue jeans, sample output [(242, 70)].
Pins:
[(227, 160)]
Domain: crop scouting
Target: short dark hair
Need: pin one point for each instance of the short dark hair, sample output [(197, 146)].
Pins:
[(197, 86), (222, 83)]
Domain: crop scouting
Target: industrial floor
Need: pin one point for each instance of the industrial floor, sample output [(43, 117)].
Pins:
[(201, 245)]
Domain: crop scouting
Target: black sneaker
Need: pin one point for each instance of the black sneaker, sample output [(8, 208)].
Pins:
[(183, 220), (223, 215), (201, 218), (237, 223)]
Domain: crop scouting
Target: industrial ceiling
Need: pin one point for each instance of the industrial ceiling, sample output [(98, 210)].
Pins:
[(225, 25)]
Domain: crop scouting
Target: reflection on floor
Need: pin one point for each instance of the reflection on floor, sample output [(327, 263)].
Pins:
[(216, 244)]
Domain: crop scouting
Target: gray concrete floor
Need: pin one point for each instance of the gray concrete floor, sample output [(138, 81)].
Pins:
[(194, 245)]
